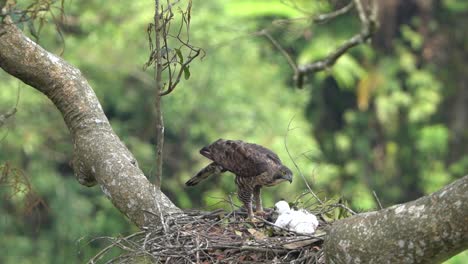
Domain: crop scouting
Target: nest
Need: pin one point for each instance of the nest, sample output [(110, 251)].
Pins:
[(216, 237), (227, 237)]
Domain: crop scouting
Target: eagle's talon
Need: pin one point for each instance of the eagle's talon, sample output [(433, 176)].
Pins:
[(261, 214), (254, 219)]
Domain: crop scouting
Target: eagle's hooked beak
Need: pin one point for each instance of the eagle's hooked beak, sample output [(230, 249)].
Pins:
[(287, 174), (289, 178)]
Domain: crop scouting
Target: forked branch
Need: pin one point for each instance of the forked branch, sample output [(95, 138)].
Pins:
[(368, 18), (368, 26)]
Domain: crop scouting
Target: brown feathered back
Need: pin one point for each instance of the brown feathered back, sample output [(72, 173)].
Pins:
[(241, 158)]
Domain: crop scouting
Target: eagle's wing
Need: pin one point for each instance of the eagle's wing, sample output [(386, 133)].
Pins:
[(268, 153), (241, 158)]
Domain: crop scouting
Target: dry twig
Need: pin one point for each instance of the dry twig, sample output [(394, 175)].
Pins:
[(377, 200), (295, 164)]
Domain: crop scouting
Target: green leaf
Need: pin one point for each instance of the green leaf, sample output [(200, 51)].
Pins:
[(457, 6), (181, 58), (186, 72), (433, 140), (412, 36)]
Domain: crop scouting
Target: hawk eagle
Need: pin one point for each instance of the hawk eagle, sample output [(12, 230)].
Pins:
[(253, 165)]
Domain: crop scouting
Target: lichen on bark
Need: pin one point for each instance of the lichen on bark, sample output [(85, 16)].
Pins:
[(428, 230)]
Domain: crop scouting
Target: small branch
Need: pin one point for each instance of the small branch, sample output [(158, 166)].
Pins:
[(323, 18), (333, 57), (179, 74), (115, 242), (180, 58), (362, 14), (377, 200), (7, 115), (295, 164), (344, 207), (174, 62), (369, 25), (157, 103), (278, 46), (10, 113)]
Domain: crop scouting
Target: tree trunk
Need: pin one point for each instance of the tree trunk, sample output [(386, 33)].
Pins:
[(99, 155)]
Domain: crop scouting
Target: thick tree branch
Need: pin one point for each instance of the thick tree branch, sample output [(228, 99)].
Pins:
[(99, 156), (428, 230)]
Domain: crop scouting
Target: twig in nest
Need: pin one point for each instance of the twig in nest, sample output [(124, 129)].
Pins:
[(295, 164), (377, 200), (201, 237)]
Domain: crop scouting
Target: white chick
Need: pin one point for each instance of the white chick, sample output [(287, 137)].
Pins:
[(298, 221), (304, 222), (285, 216), (282, 207)]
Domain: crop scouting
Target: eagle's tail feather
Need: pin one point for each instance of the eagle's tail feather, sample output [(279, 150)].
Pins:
[(211, 169)]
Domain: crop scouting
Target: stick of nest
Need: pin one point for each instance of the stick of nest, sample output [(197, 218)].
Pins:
[(214, 237)]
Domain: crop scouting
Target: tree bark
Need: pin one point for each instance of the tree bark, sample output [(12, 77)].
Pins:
[(158, 97), (428, 230), (99, 155)]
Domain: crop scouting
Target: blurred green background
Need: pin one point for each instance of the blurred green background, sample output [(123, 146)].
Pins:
[(389, 117)]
